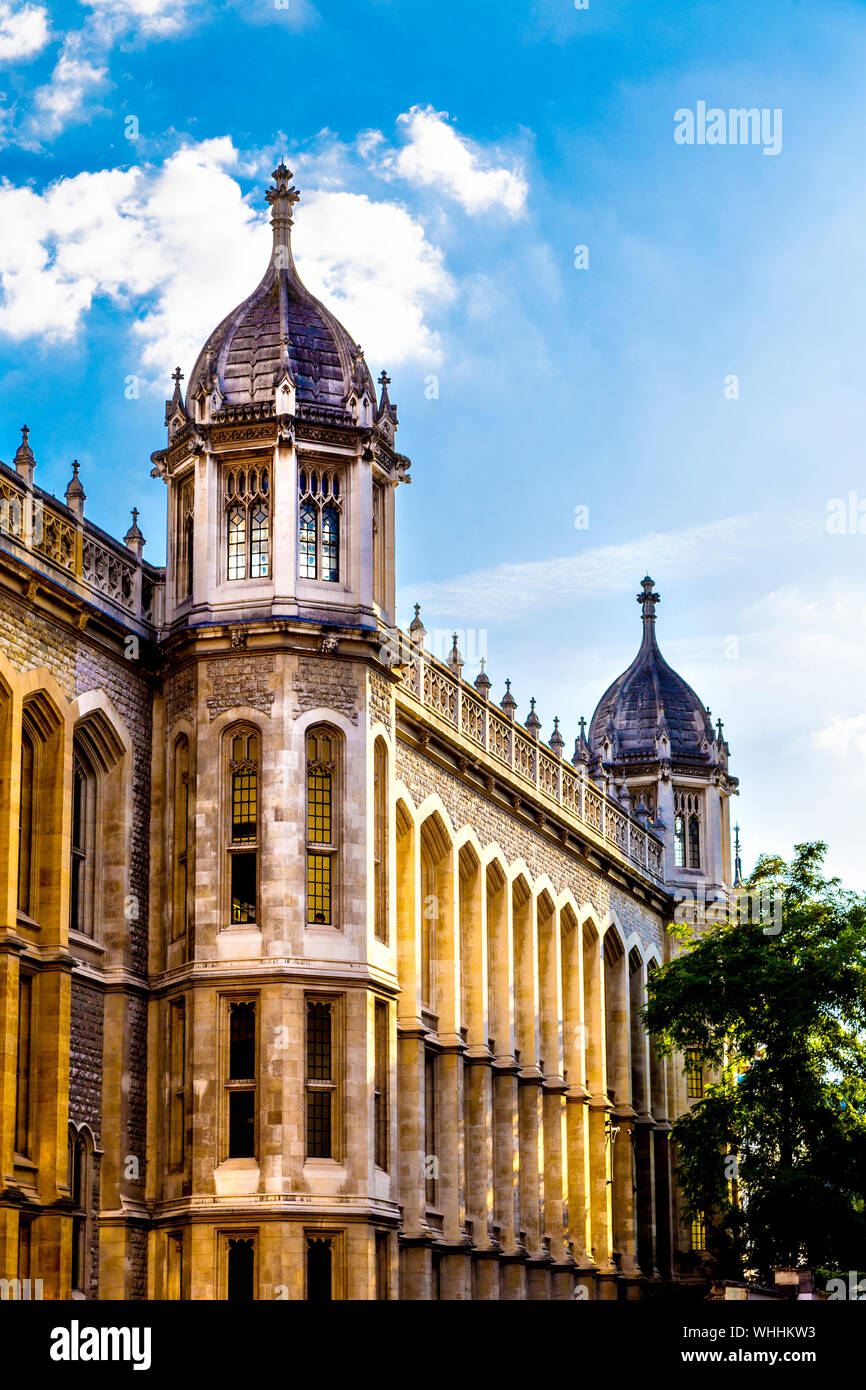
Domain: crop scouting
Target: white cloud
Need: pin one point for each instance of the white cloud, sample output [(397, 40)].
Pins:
[(157, 18), (844, 738), (62, 99), (538, 586), (178, 244), (436, 156), (23, 31)]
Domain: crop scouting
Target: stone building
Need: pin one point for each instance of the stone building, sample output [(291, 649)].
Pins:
[(320, 973)]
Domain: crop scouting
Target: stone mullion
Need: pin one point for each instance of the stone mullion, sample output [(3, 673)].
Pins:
[(646, 1195), (478, 1145), (598, 1155), (555, 1172), (663, 1211)]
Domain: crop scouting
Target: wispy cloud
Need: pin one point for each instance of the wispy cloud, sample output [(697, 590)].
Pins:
[(514, 590)]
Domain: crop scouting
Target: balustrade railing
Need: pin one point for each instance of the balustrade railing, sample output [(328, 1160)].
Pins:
[(65, 542), (439, 692)]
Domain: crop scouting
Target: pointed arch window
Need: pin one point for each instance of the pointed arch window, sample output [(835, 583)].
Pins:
[(243, 761), (83, 850), (80, 1179), (26, 846), (185, 538), (180, 838), (687, 829), (380, 839), (323, 826), (320, 510), (247, 506)]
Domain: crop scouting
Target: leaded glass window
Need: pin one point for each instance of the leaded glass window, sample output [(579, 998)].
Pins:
[(243, 790), (321, 1079), (322, 815), (246, 499), (320, 507)]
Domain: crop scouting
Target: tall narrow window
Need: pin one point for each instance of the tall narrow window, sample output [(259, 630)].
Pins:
[(680, 841), (174, 1270), (243, 749), (322, 826), (431, 1158), (429, 917), (177, 1084), (25, 825), (80, 1185), (242, 1078), (247, 505), (180, 830), (319, 1269), (380, 838), (322, 1073), (83, 849), (698, 1231), (383, 1266), (694, 842), (185, 538), (379, 544), (241, 1271), (22, 1089), (694, 1075), (380, 1084), (320, 508)]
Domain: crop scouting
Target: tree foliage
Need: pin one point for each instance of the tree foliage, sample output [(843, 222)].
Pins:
[(780, 1017)]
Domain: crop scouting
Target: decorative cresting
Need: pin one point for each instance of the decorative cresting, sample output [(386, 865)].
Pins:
[(457, 704), (280, 336), (650, 712)]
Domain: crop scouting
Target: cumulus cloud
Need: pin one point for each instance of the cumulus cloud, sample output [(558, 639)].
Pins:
[(23, 31), (177, 244), (61, 100), (435, 155)]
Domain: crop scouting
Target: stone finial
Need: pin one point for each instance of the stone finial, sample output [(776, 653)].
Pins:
[(482, 682), (738, 867), (720, 730), (24, 460), (642, 811), (533, 723), (133, 539), (648, 598), (508, 702), (556, 741), (75, 494), (455, 660), (282, 197), (385, 405), (417, 630), (581, 747)]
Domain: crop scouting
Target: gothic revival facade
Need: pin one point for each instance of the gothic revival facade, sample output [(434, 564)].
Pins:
[(320, 974)]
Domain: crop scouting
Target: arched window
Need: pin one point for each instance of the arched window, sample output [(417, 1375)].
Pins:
[(323, 826), (26, 846), (81, 1188), (319, 1270), (379, 544), (83, 851), (687, 829), (320, 506), (380, 839), (246, 501), (243, 748), (241, 1260), (185, 538), (180, 839)]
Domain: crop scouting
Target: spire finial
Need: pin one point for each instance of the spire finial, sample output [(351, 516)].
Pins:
[(648, 598), (282, 197), (738, 868), (384, 379), (177, 376), (581, 724)]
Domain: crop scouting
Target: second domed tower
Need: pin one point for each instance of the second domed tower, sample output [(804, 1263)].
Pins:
[(652, 743)]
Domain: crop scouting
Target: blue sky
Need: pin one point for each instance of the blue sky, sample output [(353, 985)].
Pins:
[(451, 158)]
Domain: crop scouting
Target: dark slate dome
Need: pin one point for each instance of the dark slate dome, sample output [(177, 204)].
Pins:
[(650, 700), (281, 324)]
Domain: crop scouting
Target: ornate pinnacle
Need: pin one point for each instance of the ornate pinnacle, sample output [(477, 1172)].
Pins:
[(286, 195), (384, 379), (177, 376), (648, 599)]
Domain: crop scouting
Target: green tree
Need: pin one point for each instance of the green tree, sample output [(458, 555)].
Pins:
[(780, 1015)]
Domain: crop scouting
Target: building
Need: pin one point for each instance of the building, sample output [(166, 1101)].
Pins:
[(320, 973)]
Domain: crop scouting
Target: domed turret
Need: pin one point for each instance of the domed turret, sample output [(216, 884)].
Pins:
[(650, 709), (652, 738), (281, 331)]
